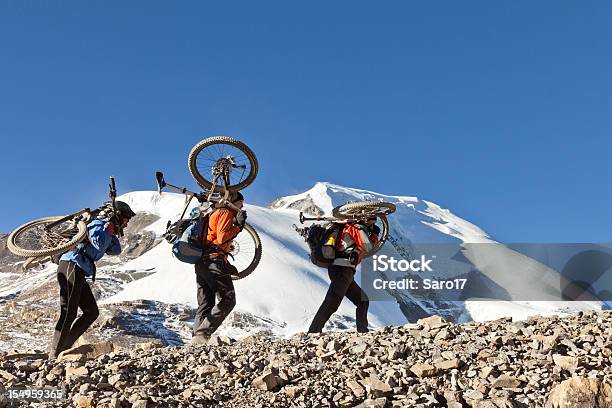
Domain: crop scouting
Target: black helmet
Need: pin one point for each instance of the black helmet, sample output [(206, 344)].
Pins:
[(236, 196), (123, 210)]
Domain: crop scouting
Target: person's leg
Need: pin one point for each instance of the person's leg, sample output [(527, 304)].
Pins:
[(205, 294), (340, 277), (55, 346), (359, 298), (220, 281), (70, 293), (90, 310)]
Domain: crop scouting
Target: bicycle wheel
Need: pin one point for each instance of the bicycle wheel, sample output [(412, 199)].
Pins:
[(33, 240), (364, 209), (246, 252), (382, 239), (219, 157)]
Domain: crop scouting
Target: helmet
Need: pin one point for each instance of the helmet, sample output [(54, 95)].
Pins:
[(236, 196), (123, 210)]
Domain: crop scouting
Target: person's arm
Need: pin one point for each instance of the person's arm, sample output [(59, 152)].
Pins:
[(361, 239), (226, 231)]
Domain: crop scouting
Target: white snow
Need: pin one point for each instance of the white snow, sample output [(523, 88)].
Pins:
[(15, 283), (286, 288)]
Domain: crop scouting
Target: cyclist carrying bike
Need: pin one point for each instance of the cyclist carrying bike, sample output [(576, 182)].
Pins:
[(355, 239), (74, 267), (213, 271)]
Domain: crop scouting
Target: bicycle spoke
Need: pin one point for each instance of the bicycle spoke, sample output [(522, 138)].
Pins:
[(244, 252), (207, 168), (219, 150), (207, 160), (207, 155)]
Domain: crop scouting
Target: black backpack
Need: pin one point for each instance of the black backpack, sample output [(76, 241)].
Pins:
[(323, 240)]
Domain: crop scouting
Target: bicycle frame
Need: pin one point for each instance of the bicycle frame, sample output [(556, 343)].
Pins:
[(201, 197), (304, 218)]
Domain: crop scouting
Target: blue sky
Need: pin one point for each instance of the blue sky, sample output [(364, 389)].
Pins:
[(500, 111)]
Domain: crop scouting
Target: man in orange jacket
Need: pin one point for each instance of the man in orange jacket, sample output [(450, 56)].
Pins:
[(213, 271), (354, 240)]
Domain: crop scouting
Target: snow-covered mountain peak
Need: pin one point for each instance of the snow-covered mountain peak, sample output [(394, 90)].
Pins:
[(315, 201), (323, 196), (415, 220)]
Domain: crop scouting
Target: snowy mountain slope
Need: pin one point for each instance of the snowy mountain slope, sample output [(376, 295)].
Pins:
[(283, 294), (286, 289), (417, 223)]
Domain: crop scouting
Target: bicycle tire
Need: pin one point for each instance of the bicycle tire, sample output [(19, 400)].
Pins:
[(256, 256), (207, 184), (383, 238), (14, 247), (363, 209)]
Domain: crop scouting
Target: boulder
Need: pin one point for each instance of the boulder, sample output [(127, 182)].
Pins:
[(86, 351), (448, 364), (356, 388), (581, 393), (373, 403), (206, 370), (494, 403), (432, 322), (293, 391), (150, 345), (376, 388), (76, 372), (82, 402), (268, 381), (423, 370), (506, 381), (565, 362)]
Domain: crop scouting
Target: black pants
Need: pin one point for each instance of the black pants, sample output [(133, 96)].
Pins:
[(75, 293), (213, 281), (342, 284)]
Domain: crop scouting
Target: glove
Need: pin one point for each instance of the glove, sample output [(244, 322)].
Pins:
[(240, 218)]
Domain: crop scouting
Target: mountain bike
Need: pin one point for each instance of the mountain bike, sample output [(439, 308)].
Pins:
[(356, 212), (42, 240), (221, 165)]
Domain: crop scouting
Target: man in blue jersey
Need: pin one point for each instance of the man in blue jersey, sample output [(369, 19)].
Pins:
[(74, 267)]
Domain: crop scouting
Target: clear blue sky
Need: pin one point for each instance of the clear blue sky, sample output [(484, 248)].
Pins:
[(500, 111)]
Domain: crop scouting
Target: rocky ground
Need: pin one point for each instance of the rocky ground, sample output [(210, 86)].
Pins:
[(552, 362)]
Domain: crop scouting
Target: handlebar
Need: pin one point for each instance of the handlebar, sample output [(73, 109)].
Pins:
[(113, 195), (161, 183), (201, 197)]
